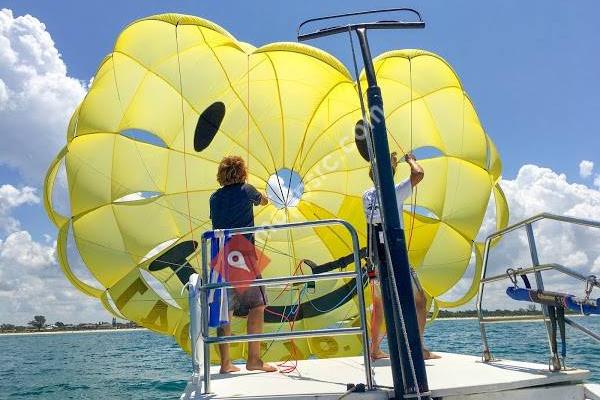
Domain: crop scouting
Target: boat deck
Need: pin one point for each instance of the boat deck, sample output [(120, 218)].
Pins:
[(452, 377)]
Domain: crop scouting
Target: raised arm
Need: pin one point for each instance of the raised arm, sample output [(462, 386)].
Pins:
[(416, 171)]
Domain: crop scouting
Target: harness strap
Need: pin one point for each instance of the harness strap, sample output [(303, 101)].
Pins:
[(526, 281), (557, 320), (560, 315), (552, 315)]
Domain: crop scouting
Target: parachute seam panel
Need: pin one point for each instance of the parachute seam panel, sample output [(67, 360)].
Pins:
[(322, 135), (312, 117), (241, 102), (309, 51), (282, 119), (182, 19), (148, 70)]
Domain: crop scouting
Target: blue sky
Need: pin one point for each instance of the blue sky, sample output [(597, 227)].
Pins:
[(531, 69)]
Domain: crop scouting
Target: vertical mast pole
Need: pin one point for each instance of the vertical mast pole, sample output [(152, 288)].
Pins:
[(395, 242)]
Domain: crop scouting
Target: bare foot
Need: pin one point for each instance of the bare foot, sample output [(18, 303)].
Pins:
[(226, 369), (260, 365), (377, 355), (428, 355)]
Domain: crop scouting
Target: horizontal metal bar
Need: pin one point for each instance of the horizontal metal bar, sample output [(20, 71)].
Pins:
[(520, 318), (276, 281), (277, 227), (283, 335), (572, 274), (540, 268), (365, 25), (519, 271), (553, 217), (582, 328), (357, 13)]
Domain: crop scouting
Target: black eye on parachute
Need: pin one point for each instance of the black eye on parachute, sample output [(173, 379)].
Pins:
[(208, 125), (360, 138), (176, 259)]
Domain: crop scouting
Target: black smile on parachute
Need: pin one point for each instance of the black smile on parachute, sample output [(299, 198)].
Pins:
[(191, 93)]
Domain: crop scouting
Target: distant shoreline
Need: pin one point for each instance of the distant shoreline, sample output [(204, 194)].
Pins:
[(72, 331)]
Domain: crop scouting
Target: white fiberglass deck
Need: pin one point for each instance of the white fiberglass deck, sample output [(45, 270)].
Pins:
[(452, 377)]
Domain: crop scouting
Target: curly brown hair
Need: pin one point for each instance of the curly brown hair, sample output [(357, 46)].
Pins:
[(232, 170)]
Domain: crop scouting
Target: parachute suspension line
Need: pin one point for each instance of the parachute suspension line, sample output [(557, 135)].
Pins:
[(139, 256), (285, 317), (248, 111), (187, 194), (396, 297), (366, 127), (404, 332), (414, 193), (359, 87), (396, 300)]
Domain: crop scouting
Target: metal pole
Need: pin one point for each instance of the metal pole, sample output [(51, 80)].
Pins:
[(204, 322), (540, 286), (394, 238), (361, 310), (487, 355)]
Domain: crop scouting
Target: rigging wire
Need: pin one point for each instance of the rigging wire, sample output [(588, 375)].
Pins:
[(187, 195), (396, 296)]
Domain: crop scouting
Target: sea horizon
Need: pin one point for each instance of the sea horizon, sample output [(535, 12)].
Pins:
[(140, 364)]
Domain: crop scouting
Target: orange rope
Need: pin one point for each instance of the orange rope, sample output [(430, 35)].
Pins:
[(187, 194)]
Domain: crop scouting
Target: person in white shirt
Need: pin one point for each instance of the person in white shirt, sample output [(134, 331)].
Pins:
[(377, 258)]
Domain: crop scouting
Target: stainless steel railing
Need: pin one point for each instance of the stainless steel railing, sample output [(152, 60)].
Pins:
[(204, 288), (535, 269)]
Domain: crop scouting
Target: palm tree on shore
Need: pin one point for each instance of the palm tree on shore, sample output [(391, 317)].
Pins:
[(39, 321)]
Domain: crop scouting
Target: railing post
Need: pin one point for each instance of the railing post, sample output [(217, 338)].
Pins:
[(361, 308), (487, 355), (204, 311), (195, 324), (539, 281)]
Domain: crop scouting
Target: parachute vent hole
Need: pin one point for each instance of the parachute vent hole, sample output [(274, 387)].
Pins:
[(158, 249), (427, 152), (158, 287), (137, 196), (143, 136), (422, 211), (285, 188)]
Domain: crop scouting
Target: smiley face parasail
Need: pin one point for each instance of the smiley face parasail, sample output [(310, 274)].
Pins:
[(179, 92)]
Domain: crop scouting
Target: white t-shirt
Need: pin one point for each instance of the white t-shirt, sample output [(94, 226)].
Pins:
[(371, 205)]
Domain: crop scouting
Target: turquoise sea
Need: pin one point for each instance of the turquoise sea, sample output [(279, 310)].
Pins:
[(143, 365)]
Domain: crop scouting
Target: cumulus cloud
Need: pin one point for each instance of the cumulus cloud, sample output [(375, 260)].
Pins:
[(586, 168), (31, 283), (10, 198), (535, 190), (37, 96)]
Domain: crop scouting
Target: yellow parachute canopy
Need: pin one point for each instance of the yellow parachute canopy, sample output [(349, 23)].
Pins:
[(179, 92)]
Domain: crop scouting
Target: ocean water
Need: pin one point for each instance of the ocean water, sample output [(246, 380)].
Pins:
[(144, 365)]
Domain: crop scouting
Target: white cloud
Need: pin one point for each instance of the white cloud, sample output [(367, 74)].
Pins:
[(10, 198), (31, 283), (586, 168), (597, 181), (533, 191), (21, 250), (36, 96)]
